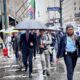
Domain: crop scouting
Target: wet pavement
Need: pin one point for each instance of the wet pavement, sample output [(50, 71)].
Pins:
[(9, 71)]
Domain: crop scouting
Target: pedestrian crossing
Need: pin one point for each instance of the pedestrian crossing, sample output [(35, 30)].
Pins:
[(15, 76), (11, 71)]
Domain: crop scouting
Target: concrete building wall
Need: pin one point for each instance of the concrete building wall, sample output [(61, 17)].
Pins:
[(12, 8), (70, 8), (77, 11), (1, 6), (41, 11), (54, 3), (52, 14)]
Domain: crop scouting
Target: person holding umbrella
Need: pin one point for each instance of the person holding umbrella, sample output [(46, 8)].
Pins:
[(26, 46), (31, 52), (23, 48), (35, 43)]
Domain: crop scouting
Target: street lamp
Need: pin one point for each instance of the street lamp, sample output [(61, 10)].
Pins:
[(5, 17), (5, 14), (61, 24)]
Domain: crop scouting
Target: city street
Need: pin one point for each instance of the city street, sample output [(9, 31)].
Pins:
[(9, 71), (50, 28)]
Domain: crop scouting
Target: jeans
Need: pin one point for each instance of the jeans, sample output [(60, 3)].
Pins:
[(70, 61)]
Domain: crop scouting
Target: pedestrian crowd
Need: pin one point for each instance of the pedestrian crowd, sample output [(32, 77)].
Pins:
[(50, 45)]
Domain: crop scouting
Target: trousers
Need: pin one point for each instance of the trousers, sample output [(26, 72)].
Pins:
[(70, 61)]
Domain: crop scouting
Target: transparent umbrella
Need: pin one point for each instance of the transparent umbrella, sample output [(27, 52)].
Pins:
[(31, 24), (54, 28), (9, 30)]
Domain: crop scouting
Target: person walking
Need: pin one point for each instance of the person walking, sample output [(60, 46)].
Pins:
[(14, 41), (44, 43), (27, 43), (23, 48), (35, 43), (31, 52), (68, 48)]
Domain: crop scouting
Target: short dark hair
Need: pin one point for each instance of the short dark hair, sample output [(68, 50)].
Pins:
[(69, 26)]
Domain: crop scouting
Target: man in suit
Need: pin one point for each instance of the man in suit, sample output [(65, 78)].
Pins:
[(68, 48), (31, 51), (26, 46)]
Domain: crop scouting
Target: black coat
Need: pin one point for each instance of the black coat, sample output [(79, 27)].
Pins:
[(62, 46), (24, 44), (15, 44), (31, 39)]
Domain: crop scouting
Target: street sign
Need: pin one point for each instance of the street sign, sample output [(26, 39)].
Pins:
[(53, 9)]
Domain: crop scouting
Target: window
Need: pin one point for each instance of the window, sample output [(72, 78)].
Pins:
[(75, 8), (77, 14), (74, 3)]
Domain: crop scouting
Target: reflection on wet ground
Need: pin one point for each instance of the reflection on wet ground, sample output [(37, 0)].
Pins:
[(9, 71)]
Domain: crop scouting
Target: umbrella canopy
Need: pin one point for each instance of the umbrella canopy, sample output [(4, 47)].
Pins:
[(31, 24), (2, 30), (54, 28), (9, 30)]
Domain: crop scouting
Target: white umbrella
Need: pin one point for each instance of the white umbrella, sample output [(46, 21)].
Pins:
[(54, 28), (2, 30), (9, 30), (30, 24)]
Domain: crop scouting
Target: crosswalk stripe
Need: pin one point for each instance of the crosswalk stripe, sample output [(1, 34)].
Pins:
[(13, 70), (7, 66), (14, 76)]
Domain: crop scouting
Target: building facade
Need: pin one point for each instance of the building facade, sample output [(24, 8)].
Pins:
[(16, 11), (42, 12), (52, 14), (71, 10)]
